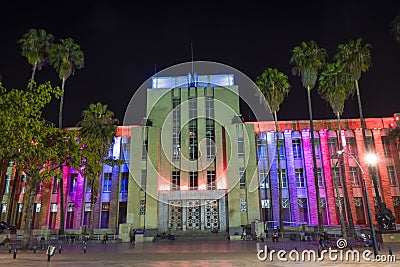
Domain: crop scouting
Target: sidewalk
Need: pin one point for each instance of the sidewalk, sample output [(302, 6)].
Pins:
[(171, 253)]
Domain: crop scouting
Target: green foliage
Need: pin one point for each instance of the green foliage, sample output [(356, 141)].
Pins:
[(66, 57), (35, 46), (335, 86), (274, 86), (355, 56), (308, 58)]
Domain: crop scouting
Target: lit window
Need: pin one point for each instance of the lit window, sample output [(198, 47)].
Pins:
[(299, 174), (107, 182)]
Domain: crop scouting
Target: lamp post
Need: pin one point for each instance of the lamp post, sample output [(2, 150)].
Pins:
[(371, 160)]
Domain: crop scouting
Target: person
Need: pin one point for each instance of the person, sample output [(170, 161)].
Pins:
[(132, 237), (105, 238), (275, 236), (323, 239), (367, 240), (243, 233), (302, 234)]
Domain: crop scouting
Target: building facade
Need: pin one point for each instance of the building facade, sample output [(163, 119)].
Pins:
[(195, 165)]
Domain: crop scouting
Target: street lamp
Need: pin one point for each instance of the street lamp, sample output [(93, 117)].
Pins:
[(371, 160)]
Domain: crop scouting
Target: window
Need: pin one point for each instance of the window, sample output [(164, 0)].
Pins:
[(210, 139), (336, 177), (70, 215), (192, 108), (176, 180), (333, 146), (261, 148), (107, 182), (7, 185), (369, 142), (53, 215), (320, 177), (176, 116), (351, 146), (193, 181), (55, 185), (144, 149), (142, 210), (209, 107), (296, 144), (211, 180), (386, 146), (392, 175), (72, 182), (240, 147), (124, 182), (193, 140), (263, 178), (317, 148), (143, 180), (284, 178), (354, 176), (39, 187), (105, 209), (281, 147), (303, 209), (242, 176), (299, 174)]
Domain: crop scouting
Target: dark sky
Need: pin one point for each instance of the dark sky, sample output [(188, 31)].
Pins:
[(124, 44)]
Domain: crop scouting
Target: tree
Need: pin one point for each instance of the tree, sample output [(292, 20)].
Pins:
[(274, 86), (308, 59), (335, 88), (65, 57), (98, 128), (24, 138), (395, 28), (35, 47)]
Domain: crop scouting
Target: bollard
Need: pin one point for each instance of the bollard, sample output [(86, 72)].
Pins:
[(258, 246), (84, 248), (34, 249), (15, 253), (379, 246), (319, 252), (9, 249), (48, 256), (268, 249), (59, 249), (390, 251), (295, 248)]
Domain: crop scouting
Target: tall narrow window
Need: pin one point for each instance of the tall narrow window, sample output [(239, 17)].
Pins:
[(176, 116), (354, 176), (193, 181), (107, 183), (240, 147), (209, 107), (211, 180), (55, 185), (296, 145), (303, 209), (320, 177), (193, 108), (193, 140), (281, 147), (210, 139), (369, 141), (284, 178), (72, 183), (333, 146), (144, 149), (53, 215), (317, 148), (242, 175), (386, 146), (70, 215), (7, 184), (299, 174), (392, 175), (176, 180), (143, 180), (351, 146), (105, 209), (124, 182)]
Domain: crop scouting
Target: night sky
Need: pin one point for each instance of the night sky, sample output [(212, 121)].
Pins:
[(125, 44)]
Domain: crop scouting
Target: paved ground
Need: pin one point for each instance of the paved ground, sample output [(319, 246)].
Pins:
[(186, 253)]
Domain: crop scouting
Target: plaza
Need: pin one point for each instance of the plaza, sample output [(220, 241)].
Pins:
[(178, 253)]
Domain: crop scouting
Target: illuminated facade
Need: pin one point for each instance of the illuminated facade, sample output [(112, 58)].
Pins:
[(194, 165)]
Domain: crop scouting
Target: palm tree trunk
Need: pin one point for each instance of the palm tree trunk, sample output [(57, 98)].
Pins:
[(61, 104), (281, 225), (363, 126), (33, 76), (320, 223), (12, 196), (344, 181)]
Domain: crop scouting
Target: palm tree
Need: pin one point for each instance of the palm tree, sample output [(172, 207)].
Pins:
[(35, 47), (274, 86), (65, 57), (98, 128), (395, 28), (308, 59), (335, 88), (356, 58)]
